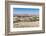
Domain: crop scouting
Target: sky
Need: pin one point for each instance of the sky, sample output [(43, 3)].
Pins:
[(25, 11)]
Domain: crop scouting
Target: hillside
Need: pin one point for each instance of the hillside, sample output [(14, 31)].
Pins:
[(26, 20)]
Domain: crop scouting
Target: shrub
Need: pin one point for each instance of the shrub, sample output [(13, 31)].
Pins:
[(35, 18)]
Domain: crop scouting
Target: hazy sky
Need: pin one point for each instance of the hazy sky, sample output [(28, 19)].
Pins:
[(25, 11)]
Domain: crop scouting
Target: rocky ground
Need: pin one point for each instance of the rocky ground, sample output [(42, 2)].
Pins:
[(26, 24)]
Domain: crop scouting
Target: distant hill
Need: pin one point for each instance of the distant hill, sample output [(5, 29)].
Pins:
[(26, 15)]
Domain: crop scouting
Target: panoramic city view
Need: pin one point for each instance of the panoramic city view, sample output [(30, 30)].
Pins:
[(25, 17)]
